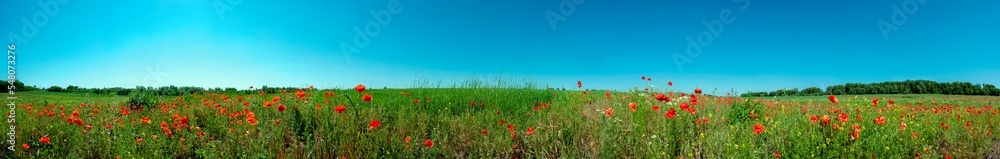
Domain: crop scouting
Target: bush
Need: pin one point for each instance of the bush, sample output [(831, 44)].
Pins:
[(56, 89), (141, 100), (123, 92)]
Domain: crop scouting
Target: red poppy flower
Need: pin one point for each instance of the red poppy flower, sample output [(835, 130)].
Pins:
[(374, 124), (360, 88), (300, 94), (607, 94), (267, 104), (656, 108), (275, 99), (631, 106), (649, 79), (757, 128), (843, 117), (854, 135), (530, 131), (914, 134), (145, 120), (428, 143), (814, 119), (281, 107), (252, 120), (138, 140), (825, 119), (416, 101), (340, 109), (892, 102), (777, 155), (880, 120), (25, 146), (367, 98), (579, 84), (45, 140), (473, 103), (484, 132), (697, 90), (685, 106), (643, 77), (662, 97), (608, 111), (510, 127), (874, 102), (671, 113), (251, 86), (670, 83), (833, 99), (902, 126)]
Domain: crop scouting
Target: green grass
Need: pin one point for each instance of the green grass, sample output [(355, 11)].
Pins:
[(570, 126)]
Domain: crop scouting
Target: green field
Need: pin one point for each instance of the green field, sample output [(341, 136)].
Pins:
[(500, 123)]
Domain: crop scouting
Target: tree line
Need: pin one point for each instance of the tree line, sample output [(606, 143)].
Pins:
[(889, 87)]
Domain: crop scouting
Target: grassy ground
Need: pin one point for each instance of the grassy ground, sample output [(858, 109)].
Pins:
[(500, 123)]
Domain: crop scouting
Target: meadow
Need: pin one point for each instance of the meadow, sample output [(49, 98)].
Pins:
[(494, 121)]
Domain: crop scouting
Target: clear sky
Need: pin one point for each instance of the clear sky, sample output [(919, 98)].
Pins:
[(767, 44)]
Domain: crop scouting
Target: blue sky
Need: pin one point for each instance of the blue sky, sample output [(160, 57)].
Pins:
[(767, 45)]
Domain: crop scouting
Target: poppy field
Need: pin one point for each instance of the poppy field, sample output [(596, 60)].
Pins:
[(483, 121)]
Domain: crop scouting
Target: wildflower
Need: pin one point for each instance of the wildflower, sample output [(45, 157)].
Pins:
[(374, 124), (530, 131), (579, 84), (360, 88), (45, 140), (631, 106), (833, 99), (880, 120), (281, 107), (757, 128), (825, 119), (671, 113), (670, 83), (367, 98), (843, 117), (428, 143), (340, 109)]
